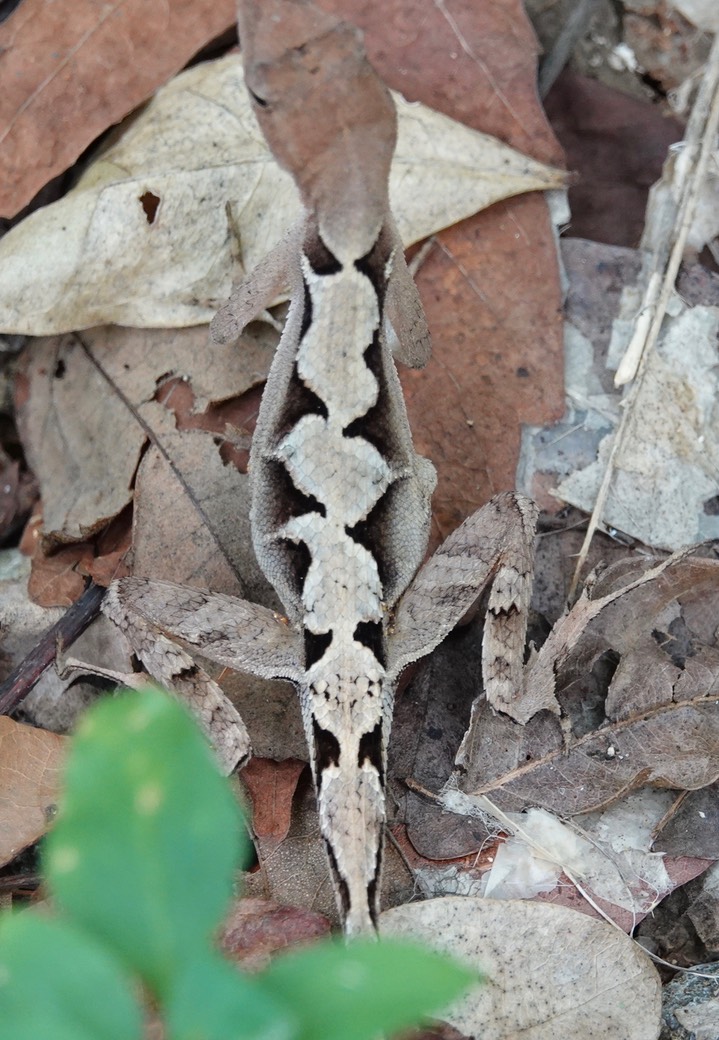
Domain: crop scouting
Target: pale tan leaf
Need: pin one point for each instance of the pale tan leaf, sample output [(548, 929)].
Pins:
[(30, 765), (551, 972), (149, 235)]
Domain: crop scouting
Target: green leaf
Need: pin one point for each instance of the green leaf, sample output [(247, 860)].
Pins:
[(358, 991), (58, 984), (211, 1000), (143, 852)]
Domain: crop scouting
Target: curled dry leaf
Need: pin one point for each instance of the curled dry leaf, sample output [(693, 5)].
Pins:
[(149, 234), (30, 764), (594, 983)]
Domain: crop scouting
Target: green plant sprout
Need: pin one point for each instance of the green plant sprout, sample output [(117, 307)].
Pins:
[(140, 865)]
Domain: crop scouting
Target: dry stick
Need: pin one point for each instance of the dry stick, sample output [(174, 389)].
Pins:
[(63, 633), (701, 132)]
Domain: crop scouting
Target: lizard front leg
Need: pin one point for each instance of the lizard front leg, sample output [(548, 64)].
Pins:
[(156, 616), (493, 549)]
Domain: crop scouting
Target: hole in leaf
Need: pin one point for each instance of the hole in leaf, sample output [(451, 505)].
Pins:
[(150, 203)]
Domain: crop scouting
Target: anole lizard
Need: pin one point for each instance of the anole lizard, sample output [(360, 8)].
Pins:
[(340, 499)]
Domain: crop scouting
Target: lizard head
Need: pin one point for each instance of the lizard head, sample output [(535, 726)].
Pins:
[(326, 115)]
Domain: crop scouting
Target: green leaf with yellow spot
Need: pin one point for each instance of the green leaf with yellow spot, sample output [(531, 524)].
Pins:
[(149, 834)]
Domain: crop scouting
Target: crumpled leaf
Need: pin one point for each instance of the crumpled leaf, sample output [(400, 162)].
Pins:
[(149, 233), (665, 470), (595, 982), (31, 762)]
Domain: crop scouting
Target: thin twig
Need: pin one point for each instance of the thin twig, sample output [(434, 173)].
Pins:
[(63, 633)]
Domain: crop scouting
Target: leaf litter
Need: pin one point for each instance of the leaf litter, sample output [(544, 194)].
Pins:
[(673, 663), (149, 233)]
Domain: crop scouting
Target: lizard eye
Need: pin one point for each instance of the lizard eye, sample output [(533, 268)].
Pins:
[(260, 101)]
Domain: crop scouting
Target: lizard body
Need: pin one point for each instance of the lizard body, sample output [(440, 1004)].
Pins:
[(340, 506), (340, 499)]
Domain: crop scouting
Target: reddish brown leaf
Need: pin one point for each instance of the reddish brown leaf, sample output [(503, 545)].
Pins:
[(30, 763), (271, 787), (74, 67), (59, 574)]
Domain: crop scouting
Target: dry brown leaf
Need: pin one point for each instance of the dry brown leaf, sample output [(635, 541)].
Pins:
[(693, 828), (59, 573), (255, 929), (76, 417), (74, 67), (593, 983), (271, 787), (80, 439), (271, 712), (431, 717), (30, 765), (597, 127)]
